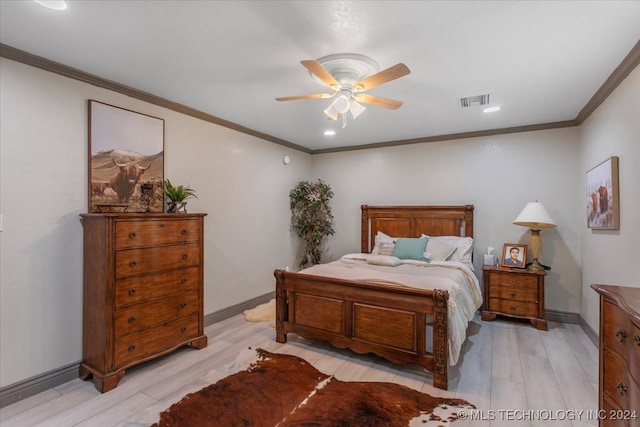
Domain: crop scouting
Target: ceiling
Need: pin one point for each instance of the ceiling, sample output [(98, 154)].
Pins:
[(540, 61)]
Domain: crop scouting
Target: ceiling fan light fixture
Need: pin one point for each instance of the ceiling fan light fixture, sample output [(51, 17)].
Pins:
[(356, 109), (331, 113), (53, 4), (341, 104)]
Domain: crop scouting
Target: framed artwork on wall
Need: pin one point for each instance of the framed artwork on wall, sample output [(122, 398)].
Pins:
[(126, 160), (603, 196), (514, 255)]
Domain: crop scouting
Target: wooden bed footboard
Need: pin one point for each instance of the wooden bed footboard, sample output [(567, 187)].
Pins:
[(387, 320)]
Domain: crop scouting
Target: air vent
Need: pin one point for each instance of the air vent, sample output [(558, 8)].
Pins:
[(474, 101)]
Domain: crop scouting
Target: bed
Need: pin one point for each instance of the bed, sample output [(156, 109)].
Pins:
[(370, 312)]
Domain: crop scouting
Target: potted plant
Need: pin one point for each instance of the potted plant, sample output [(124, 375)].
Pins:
[(311, 216), (177, 196)]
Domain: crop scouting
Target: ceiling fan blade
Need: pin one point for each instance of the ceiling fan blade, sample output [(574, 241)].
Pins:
[(321, 73), (384, 76), (379, 101), (311, 96)]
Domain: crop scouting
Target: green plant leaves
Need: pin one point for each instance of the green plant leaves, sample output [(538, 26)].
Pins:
[(311, 217), (179, 193)]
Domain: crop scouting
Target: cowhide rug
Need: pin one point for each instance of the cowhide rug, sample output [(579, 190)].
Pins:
[(284, 390)]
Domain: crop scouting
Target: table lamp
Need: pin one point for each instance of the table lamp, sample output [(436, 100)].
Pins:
[(536, 217)]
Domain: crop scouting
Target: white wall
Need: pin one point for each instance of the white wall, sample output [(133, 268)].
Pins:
[(240, 181), (497, 174), (611, 257)]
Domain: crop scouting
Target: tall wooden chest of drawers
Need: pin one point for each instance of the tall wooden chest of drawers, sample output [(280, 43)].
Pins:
[(143, 290), (619, 391), (514, 292)]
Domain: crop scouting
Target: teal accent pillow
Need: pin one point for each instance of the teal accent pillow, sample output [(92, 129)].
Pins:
[(410, 249)]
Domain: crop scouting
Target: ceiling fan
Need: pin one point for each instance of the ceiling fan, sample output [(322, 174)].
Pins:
[(349, 75)]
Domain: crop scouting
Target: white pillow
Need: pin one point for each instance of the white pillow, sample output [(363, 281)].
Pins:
[(438, 250), (386, 248), (463, 245), (386, 260), (381, 237)]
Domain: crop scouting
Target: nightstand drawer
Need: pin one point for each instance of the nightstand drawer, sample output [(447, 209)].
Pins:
[(514, 293), (513, 308), (506, 279)]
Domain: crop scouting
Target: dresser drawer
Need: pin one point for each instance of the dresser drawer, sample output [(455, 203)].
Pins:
[(610, 408), (513, 308), (136, 346), (622, 336), (136, 261), (136, 289), (513, 293), (634, 359), (617, 382), (505, 279), (135, 233), (155, 312)]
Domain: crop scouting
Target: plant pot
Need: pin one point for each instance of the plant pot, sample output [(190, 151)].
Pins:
[(176, 207)]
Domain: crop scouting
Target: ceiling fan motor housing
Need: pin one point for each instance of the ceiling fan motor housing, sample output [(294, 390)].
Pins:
[(347, 68)]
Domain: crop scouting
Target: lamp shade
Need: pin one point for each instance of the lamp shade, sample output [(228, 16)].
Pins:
[(535, 216)]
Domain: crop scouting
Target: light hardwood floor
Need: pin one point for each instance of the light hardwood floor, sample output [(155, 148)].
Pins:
[(514, 374)]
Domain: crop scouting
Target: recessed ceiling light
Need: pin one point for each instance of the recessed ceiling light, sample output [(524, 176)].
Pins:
[(329, 132), (491, 109), (53, 4)]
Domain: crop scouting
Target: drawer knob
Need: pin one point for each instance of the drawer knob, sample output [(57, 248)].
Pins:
[(622, 388), (183, 329), (132, 347), (513, 309), (132, 291), (621, 335), (513, 294), (132, 319), (184, 280), (636, 339), (183, 232), (132, 263), (132, 235), (185, 256), (513, 282), (183, 304)]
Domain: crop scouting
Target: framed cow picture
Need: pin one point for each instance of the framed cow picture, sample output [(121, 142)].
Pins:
[(126, 160), (603, 197)]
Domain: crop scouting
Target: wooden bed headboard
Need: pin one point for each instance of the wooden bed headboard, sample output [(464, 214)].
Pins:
[(413, 221)]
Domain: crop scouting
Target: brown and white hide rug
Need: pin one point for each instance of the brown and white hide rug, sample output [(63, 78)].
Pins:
[(284, 390)]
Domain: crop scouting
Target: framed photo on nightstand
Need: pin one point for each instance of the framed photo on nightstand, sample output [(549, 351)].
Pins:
[(514, 255)]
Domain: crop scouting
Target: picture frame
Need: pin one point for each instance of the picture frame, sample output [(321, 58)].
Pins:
[(514, 255), (126, 160), (603, 195)]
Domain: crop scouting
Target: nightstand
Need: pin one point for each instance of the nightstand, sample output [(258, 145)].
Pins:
[(515, 293)]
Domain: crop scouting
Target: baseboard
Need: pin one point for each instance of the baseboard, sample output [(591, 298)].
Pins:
[(32, 386), (588, 330), (231, 311), (562, 317)]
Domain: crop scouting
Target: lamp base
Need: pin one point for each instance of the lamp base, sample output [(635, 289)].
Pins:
[(535, 266)]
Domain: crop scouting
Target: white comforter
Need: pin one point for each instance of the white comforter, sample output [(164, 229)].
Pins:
[(465, 296)]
